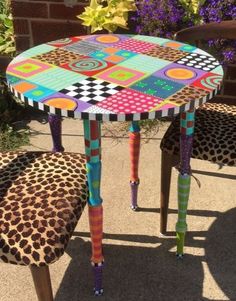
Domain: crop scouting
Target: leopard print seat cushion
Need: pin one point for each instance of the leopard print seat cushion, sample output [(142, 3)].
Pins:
[(42, 196), (214, 138)]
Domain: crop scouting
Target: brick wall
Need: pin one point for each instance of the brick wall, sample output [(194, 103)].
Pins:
[(39, 21)]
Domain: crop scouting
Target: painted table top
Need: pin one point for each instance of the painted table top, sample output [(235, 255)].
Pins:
[(114, 77)]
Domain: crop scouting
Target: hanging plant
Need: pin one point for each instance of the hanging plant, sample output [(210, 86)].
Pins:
[(107, 14)]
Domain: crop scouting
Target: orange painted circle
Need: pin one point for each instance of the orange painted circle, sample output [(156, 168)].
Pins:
[(107, 39), (180, 73), (62, 103), (173, 44)]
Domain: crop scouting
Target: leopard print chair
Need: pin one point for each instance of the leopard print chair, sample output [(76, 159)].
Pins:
[(215, 121), (42, 196)]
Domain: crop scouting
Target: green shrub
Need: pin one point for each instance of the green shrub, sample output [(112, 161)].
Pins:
[(7, 42)]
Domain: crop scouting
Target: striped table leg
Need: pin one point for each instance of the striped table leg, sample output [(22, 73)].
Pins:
[(55, 128), (92, 136), (184, 178), (134, 149)]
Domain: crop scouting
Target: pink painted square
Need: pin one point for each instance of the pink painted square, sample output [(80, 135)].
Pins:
[(129, 101), (121, 75), (135, 45), (27, 68)]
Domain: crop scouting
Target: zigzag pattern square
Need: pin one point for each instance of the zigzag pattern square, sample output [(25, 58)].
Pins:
[(91, 90)]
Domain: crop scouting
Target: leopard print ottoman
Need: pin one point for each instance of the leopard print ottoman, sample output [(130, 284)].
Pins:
[(214, 137), (42, 196)]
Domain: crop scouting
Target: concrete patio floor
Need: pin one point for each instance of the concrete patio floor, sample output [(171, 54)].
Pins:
[(140, 264)]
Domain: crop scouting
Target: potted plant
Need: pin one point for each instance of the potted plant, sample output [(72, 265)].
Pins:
[(107, 14)]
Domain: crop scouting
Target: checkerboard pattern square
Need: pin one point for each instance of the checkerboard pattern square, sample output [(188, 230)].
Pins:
[(91, 90)]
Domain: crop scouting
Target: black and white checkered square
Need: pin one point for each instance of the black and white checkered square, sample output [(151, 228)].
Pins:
[(199, 61), (91, 90)]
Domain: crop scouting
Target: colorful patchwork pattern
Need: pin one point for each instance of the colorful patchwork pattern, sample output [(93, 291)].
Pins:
[(121, 75), (63, 42), (208, 81), (57, 57), (114, 77), (27, 68), (180, 74), (180, 46), (165, 53), (87, 66), (107, 40)]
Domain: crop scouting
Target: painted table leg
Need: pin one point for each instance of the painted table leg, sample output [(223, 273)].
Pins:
[(184, 178), (55, 127), (134, 147), (92, 136)]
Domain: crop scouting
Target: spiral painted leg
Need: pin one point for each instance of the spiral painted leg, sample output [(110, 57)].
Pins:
[(55, 127), (134, 147), (92, 135), (184, 178)]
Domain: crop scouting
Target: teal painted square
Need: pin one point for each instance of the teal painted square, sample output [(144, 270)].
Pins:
[(154, 40), (144, 63), (183, 123), (126, 54), (189, 131), (57, 78), (94, 144), (37, 50), (12, 79), (94, 159), (218, 70), (156, 86), (99, 55), (38, 93), (187, 48)]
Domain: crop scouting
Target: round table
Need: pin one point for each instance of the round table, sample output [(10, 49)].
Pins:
[(117, 78)]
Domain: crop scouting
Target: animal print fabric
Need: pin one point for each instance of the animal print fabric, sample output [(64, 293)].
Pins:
[(214, 137), (42, 196)]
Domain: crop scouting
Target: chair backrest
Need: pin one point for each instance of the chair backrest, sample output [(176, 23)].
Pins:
[(223, 30)]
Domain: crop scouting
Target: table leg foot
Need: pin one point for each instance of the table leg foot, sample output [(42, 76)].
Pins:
[(180, 237), (134, 195), (97, 271)]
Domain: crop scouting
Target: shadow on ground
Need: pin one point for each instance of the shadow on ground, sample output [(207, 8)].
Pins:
[(152, 272)]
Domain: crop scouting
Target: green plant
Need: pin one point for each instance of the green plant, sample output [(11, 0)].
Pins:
[(11, 139), (7, 42), (107, 14), (192, 8)]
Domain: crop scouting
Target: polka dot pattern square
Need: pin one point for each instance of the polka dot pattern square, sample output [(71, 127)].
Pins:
[(136, 102), (199, 61)]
